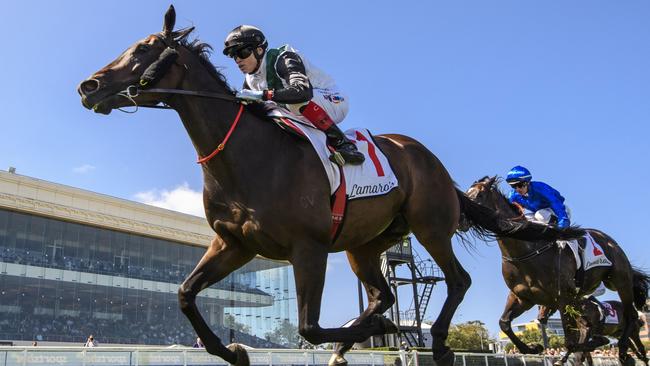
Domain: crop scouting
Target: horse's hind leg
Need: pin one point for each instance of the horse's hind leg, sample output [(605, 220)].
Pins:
[(457, 280), (623, 283), (220, 259), (638, 345), (365, 263), (542, 317)]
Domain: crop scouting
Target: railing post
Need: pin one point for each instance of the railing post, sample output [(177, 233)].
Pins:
[(184, 357), (464, 362), (505, 359), (487, 363), (270, 358), (523, 359), (417, 359)]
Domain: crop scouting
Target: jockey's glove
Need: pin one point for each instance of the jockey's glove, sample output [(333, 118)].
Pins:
[(563, 224), (247, 94)]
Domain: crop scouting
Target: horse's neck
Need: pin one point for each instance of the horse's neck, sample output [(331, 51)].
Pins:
[(503, 207), (207, 122), (205, 119)]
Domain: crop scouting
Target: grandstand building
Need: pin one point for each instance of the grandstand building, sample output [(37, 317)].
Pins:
[(75, 263)]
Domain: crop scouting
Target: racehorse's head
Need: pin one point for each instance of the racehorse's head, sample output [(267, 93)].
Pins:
[(485, 192), (154, 60)]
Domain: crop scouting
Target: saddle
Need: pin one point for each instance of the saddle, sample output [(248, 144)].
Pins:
[(374, 177), (588, 254)]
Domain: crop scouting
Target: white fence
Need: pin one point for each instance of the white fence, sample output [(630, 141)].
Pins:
[(135, 356)]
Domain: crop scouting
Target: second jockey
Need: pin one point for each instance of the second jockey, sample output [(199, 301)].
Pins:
[(538, 197), (283, 76)]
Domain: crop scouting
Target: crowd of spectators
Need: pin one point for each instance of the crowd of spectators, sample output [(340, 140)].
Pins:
[(126, 331), (116, 268), (557, 353)]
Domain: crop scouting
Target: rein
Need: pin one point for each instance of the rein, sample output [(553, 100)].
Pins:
[(133, 91), (156, 71), (530, 255)]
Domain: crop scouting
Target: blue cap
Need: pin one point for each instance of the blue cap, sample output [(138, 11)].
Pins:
[(518, 174)]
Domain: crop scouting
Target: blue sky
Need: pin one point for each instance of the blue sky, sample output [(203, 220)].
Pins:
[(560, 87)]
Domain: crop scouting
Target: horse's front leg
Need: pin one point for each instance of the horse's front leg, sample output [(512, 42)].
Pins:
[(542, 317), (574, 333), (221, 258), (515, 307)]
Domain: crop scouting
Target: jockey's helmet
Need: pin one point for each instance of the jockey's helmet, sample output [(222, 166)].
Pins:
[(242, 37), (518, 174)]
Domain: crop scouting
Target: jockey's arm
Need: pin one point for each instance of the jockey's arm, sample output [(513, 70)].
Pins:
[(521, 208), (291, 69), (555, 200), (560, 211)]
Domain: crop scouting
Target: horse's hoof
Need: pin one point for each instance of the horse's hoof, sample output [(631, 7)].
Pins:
[(447, 359), (629, 361), (536, 348), (242, 355), (337, 360), (387, 325), (557, 363)]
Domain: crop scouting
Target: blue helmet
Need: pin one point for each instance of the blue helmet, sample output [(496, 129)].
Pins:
[(518, 174)]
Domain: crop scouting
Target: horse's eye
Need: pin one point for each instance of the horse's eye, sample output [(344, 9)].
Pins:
[(142, 48)]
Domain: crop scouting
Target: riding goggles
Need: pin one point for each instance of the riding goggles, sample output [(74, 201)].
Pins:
[(517, 184), (241, 53)]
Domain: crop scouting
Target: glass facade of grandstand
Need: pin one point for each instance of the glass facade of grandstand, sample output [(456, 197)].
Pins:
[(62, 281)]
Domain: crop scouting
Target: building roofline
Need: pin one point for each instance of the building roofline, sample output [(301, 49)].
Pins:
[(40, 197)]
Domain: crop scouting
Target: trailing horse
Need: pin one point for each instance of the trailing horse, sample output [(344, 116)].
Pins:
[(266, 193), (544, 273), (599, 320)]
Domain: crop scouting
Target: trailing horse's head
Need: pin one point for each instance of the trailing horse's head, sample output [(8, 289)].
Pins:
[(154, 60), (485, 192), (481, 191)]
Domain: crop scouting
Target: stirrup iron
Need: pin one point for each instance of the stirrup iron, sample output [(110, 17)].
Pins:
[(337, 158)]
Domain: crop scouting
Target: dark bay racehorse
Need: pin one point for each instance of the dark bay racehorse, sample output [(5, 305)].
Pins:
[(267, 194), (540, 273), (594, 328)]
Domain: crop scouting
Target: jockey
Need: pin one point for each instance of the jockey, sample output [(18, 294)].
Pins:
[(538, 197), (283, 76)]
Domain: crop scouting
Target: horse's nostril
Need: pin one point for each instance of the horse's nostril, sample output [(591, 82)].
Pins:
[(89, 86)]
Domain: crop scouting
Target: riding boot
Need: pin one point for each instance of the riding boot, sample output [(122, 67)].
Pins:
[(343, 146), (345, 150)]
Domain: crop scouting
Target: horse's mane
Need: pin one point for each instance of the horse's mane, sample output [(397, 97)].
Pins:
[(495, 186), (202, 51)]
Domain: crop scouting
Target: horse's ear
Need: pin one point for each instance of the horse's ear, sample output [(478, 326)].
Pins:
[(182, 34), (492, 180), (482, 180), (170, 20)]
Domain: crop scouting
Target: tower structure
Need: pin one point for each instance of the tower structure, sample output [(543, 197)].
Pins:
[(421, 276)]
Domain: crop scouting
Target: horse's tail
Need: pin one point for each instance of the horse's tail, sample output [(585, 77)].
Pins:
[(486, 223), (640, 284)]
